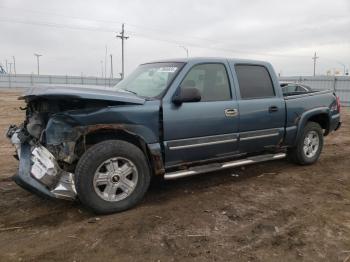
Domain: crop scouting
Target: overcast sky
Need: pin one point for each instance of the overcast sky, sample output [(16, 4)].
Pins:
[(72, 35)]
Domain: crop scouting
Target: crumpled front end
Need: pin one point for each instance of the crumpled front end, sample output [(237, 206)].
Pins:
[(46, 144), (59, 128), (38, 170)]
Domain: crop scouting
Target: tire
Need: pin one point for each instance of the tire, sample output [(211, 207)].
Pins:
[(101, 181), (298, 154)]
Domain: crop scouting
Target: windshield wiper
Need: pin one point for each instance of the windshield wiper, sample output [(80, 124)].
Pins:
[(130, 91), (133, 92)]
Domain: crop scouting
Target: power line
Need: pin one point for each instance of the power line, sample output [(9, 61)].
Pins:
[(147, 28), (108, 22), (47, 13), (215, 48), (62, 26), (146, 36), (100, 29)]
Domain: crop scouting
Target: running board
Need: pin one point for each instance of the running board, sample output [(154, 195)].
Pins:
[(217, 166)]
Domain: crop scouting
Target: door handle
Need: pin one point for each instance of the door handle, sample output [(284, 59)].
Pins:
[(231, 112), (273, 109)]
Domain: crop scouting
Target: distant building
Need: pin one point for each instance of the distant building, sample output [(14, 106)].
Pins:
[(335, 72)]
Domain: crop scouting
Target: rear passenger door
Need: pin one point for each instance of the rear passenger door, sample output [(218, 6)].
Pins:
[(261, 110), (197, 131)]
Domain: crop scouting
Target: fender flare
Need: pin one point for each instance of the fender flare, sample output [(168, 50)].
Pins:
[(304, 118), (152, 150)]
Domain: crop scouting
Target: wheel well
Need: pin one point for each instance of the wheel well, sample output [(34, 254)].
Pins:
[(103, 135), (322, 120)]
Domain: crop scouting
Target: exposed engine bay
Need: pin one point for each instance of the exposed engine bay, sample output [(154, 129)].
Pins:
[(53, 135), (52, 160)]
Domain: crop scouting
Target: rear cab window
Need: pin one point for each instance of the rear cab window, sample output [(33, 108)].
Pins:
[(254, 81)]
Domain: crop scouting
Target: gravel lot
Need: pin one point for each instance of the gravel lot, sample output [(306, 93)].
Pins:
[(274, 211)]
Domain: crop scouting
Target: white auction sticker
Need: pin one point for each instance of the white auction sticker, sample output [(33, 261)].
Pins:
[(168, 69)]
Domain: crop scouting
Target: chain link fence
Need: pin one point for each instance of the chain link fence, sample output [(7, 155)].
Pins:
[(339, 84), (23, 80)]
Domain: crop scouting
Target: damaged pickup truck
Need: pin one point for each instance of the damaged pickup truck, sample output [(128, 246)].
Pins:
[(168, 119)]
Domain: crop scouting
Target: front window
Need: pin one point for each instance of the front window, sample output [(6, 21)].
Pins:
[(211, 80), (150, 80)]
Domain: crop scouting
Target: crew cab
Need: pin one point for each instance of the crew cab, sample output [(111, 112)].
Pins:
[(168, 119)]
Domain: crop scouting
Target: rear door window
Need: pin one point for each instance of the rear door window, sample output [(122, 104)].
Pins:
[(254, 81)]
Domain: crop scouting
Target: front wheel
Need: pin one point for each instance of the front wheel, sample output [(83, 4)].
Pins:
[(112, 176), (309, 146)]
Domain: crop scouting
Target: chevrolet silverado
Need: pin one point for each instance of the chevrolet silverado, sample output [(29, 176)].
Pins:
[(168, 119)]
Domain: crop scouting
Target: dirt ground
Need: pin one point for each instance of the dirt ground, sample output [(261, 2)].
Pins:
[(274, 211)]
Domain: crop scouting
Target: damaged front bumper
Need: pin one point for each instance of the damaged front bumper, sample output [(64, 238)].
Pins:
[(39, 171)]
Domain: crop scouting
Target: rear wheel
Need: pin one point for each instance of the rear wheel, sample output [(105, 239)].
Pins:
[(112, 176), (309, 146)]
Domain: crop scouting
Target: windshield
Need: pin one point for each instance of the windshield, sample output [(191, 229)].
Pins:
[(150, 80)]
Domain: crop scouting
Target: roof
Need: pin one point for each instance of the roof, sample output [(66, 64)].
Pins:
[(208, 59)]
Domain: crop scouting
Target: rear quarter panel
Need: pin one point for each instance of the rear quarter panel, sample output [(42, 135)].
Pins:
[(300, 108)]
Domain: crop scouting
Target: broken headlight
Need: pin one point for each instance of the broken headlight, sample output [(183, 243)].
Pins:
[(60, 129)]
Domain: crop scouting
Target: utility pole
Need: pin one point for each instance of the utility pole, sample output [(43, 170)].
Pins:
[(315, 58), (6, 65), (185, 48), (122, 37), (37, 61), (111, 75), (10, 72), (14, 65)]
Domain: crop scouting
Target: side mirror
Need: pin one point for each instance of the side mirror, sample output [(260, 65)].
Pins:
[(187, 94)]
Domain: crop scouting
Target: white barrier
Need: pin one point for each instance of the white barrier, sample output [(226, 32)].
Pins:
[(339, 84), (23, 80)]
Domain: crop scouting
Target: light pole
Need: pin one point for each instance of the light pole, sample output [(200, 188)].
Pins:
[(315, 57), (111, 74), (101, 68), (37, 61), (14, 65), (185, 48), (344, 67)]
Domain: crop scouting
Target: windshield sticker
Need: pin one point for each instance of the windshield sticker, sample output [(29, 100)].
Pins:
[(167, 69)]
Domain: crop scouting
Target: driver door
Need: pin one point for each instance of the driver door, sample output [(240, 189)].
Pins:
[(197, 131)]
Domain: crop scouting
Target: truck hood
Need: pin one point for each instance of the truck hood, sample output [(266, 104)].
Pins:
[(81, 92)]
